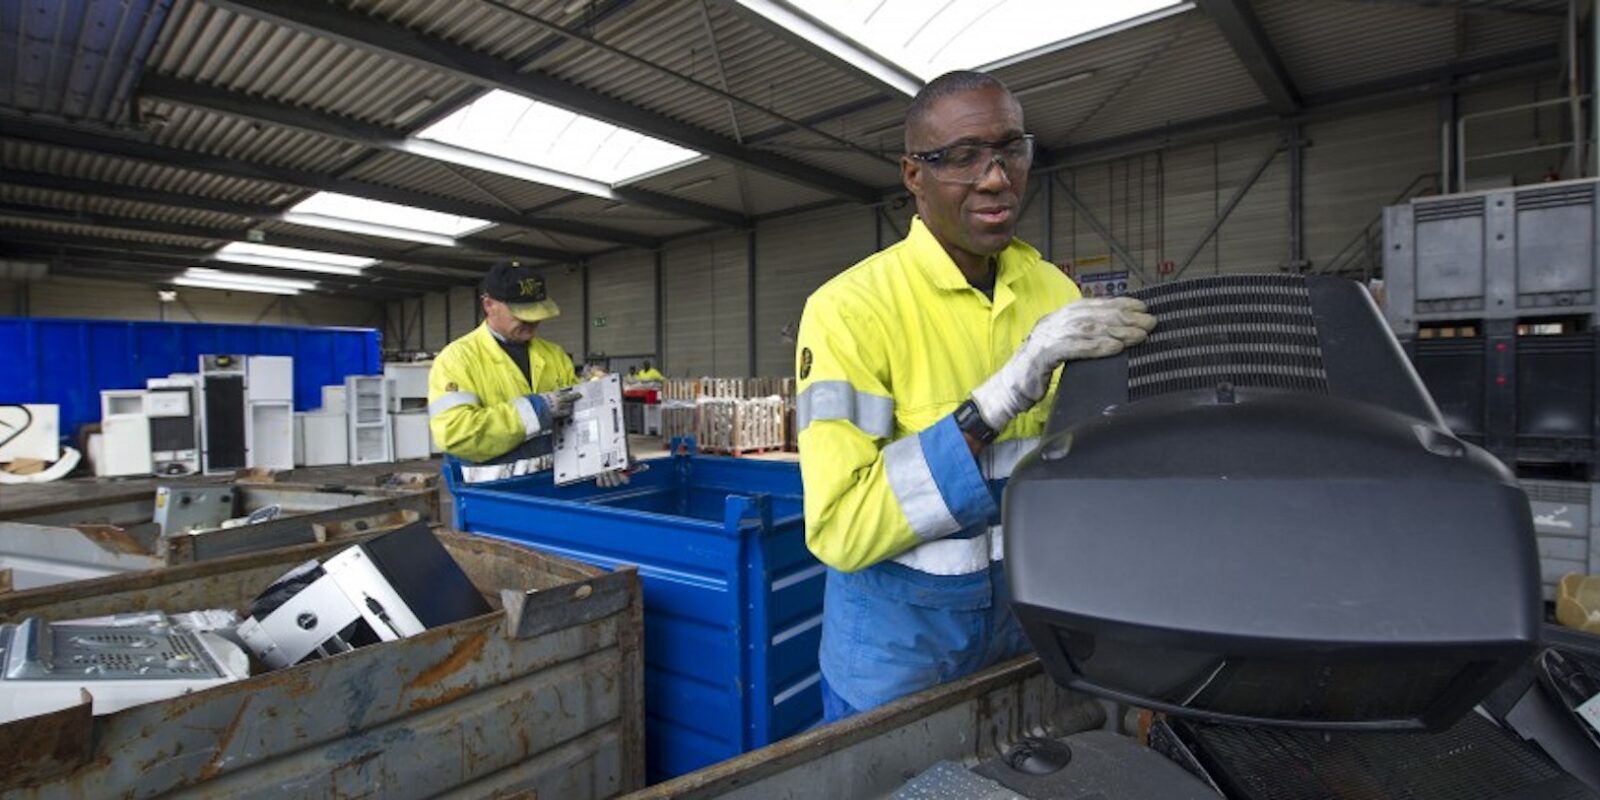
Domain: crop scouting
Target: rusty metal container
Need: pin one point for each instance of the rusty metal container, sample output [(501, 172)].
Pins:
[(76, 540), (542, 697)]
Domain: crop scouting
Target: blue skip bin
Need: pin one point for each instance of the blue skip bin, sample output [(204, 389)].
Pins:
[(732, 598)]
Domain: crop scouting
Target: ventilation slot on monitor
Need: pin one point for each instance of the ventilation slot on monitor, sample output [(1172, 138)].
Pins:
[(1247, 330)]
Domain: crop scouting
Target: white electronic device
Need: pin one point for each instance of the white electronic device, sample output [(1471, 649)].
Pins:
[(49, 666), (408, 386), (324, 440), (173, 406), (396, 585), (126, 430), (411, 437), (593, 441)]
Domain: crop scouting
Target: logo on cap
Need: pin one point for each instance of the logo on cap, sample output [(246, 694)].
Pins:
[(531, 287)]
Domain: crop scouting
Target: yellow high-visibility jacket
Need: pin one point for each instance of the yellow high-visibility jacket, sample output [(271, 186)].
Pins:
[(886, 352), (478, 407), (651, 374)]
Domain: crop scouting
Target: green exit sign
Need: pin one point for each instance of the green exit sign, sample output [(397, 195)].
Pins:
[(599, 322)]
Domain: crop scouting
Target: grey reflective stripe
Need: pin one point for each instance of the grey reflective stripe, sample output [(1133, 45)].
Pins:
[(872, 413), (1000, 458), (450, 400), (912, 482), (950, 556)]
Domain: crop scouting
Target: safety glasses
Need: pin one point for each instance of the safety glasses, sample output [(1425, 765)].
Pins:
[(970, 162)]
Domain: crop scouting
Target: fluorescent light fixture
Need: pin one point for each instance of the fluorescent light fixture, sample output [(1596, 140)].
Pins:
[(926, 40), (801, 19), (267, 255), (220, 277), (512, 135), (342, 212), (223, 286)]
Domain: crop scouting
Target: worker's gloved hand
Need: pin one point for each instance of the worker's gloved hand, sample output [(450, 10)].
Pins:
[(620, 477), (553, 407), (1092, 328)]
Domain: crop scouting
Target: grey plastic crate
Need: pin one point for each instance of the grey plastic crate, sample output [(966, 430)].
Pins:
[(1565, 514), (1512, 253)]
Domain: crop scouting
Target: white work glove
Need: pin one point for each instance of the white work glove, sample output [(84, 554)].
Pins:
[(619, 477), (1092, 328)]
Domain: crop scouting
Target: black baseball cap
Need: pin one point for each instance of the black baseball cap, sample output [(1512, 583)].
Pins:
[(521, 289)]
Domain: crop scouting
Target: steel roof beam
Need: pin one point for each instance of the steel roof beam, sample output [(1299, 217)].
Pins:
[(198, 253), (123, 147), (366, 33), (67, 216), (1239, 26), (268, 112), (168, 267), (113, 191)]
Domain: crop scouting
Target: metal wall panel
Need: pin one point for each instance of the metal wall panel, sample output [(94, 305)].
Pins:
[(434, 333), (622, 299), (565, 286), (794, 256), (464, 305), (1355, 166), (705, 283)]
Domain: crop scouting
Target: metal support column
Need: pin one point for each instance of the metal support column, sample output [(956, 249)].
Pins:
[(1500, 382), (661, 317), (1227, 209), (750, 299), (584, 284), (1101, 231), (1297, 248), (1049, 249)]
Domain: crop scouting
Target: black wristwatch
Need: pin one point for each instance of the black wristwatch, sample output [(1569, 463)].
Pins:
[(971, 423)]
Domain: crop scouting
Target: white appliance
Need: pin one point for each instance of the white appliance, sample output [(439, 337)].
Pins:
[(224, 420), (30, 430), (269, 398), (333, 398), (367, 401), (52, 666), (323, 439), (408, 386), (173, 406), (125, 446), (411, 437)]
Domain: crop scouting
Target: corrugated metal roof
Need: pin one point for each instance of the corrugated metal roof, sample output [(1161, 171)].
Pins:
[(218, 47), (717, 182), (76, 60), (1194, 74), (1329, 44), (109, 169), (67, 230), (456, 182), (190, 128), (111, 206)]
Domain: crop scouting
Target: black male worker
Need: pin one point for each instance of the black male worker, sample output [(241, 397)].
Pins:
[(925, 372), (495, 395)]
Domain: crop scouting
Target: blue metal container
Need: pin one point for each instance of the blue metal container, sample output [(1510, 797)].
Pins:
[(68, 361), (732, 598)]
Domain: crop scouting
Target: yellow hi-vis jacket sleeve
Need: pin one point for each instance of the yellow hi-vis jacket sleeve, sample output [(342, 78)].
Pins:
[(479, 405), (872, 491)]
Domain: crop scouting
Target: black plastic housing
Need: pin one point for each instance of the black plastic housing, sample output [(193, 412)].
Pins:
[(1259, 516)]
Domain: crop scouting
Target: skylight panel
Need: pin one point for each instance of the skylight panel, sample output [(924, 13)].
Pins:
[(342, 212), (513, 135), (927, 39), (267, 255)]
